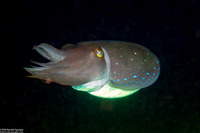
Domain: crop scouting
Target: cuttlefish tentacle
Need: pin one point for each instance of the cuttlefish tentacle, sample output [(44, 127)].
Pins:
[(43, 64), (34, 70), (49, 52), (63, 67)]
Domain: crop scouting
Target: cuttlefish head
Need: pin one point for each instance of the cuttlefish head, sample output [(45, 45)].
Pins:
[(72, 65)]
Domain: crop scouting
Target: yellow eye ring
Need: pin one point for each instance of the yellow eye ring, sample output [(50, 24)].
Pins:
[(98, 52)]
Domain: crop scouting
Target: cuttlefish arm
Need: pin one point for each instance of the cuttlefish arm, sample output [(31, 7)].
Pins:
[(72, 65)]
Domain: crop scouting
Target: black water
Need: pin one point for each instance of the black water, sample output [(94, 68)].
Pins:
[(169, 28)]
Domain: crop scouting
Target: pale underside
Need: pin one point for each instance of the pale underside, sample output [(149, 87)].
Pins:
[(107, 91)]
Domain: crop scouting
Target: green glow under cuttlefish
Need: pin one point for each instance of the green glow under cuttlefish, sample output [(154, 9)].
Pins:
[(106, 91)]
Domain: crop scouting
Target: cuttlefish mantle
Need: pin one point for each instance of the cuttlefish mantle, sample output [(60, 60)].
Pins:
[(108, 69)]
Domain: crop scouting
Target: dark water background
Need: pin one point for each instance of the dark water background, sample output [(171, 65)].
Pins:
[(169, 28)]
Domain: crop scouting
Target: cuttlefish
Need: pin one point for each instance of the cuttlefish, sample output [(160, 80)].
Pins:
[(108, 69)]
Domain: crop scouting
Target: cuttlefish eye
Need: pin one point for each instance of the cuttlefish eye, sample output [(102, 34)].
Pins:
[(98, 52)]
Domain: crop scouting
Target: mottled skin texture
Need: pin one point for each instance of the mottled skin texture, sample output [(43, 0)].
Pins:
[(132, 66)]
